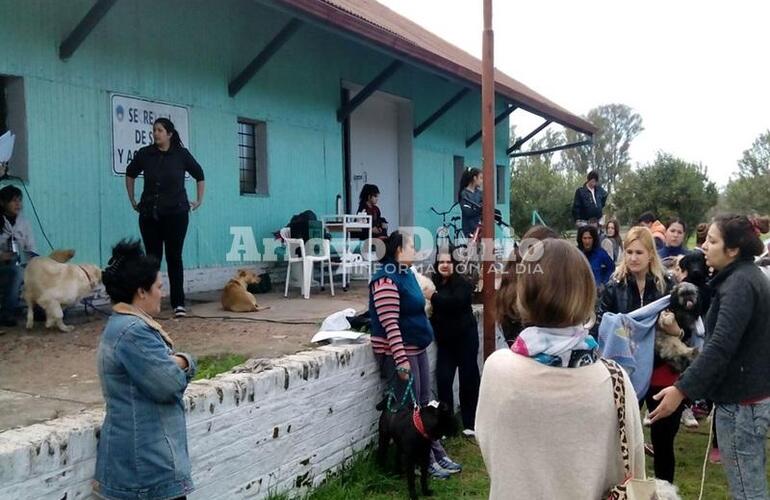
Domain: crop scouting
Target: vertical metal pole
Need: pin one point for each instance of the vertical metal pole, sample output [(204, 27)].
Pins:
[(488, 151)]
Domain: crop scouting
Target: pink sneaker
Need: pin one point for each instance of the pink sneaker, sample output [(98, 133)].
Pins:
[(714, 456)]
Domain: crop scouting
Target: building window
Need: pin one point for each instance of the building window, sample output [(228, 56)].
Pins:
[(252, 156), (501, 184), (459, 164), (13, 118)]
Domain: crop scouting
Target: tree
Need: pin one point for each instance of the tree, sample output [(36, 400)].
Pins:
[(749, 192), (669, 187), (756, 160), (617, 125), (538, 184)]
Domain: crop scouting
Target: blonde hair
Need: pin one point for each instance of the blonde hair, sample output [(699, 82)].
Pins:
[(560, 292), (643, 236)]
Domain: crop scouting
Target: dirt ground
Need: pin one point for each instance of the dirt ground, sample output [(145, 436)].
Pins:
[(45, 374)]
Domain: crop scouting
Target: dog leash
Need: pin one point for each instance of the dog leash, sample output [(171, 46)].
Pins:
[(710, 420), (408, 392)]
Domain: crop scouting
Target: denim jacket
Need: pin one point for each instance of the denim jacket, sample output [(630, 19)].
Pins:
[(142, 451)]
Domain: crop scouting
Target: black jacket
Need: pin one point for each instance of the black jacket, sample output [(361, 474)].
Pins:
[(623, 297), (164, 172), (452, 310), (735, 363), (583, 206)]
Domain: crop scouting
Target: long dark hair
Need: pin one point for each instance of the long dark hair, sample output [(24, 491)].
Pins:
[(594, 234), (741, 232), (128, 270), (366, 191), (468, 175), (392, 244), (176, 141), (437, 278)]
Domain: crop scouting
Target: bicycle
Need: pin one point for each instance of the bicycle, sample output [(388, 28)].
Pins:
[(470, 263), (447, 233)]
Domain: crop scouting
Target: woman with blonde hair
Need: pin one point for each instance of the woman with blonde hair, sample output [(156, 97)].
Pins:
[(639, 280), (546, 406)]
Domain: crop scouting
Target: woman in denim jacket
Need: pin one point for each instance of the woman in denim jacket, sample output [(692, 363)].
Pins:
[(143, 442)]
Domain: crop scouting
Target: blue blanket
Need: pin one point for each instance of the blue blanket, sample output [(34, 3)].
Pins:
[(629, 339)]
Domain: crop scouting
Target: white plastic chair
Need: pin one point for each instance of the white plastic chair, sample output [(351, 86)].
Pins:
[(307, 261)]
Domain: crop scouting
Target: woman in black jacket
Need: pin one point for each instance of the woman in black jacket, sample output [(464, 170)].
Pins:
[(164, 207), (457, 338), (733, 370), (639, 280)]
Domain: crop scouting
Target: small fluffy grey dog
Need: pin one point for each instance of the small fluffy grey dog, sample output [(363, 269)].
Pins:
[(685, 306)]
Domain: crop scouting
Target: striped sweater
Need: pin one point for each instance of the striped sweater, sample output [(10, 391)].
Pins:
[(400, 327)]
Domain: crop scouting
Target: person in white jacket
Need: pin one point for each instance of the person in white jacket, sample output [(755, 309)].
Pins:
[(546, 420)]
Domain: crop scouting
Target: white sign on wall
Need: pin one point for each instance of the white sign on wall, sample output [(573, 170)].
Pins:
[(132, 120)]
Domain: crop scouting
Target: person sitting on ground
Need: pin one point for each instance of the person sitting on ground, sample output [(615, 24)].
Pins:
[(142, 450), (658, 230), (15, 231), (367, 203), (602, 264), (470, 197), (547, 404), (589, 201), (611, 241), (675, 244), (457, 337), (506, 317)]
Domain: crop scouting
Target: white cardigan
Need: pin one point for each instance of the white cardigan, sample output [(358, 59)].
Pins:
[(552, 433)]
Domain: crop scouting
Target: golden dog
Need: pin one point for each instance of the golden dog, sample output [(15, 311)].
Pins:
[(52, 283), (236, 297)]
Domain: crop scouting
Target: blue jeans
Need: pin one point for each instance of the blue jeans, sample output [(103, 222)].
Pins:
[(742, 433), (11, 276)]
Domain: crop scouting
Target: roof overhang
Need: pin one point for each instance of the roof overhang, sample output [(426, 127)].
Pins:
[(378, 26)]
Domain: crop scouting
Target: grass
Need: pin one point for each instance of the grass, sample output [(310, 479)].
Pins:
[(364, 479), (209, 366), (690, 448)]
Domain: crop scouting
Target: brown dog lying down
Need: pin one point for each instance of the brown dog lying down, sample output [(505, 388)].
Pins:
[(52, 283), (235, 296)]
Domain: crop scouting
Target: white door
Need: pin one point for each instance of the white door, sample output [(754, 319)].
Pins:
[(374, 154)]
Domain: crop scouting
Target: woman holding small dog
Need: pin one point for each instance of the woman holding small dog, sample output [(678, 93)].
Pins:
[(457, 338), (638, 281), (401, 333), (142, 449), (164, 208), (547, 423), (733, 370)]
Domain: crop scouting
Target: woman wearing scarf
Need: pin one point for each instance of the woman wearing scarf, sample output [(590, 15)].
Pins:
[(142, 449), (546, 421)]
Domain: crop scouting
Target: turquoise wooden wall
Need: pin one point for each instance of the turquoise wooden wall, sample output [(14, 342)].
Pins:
[(185, 52)]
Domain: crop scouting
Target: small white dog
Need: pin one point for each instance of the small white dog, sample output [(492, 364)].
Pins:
[(427, 287), (52, 284)]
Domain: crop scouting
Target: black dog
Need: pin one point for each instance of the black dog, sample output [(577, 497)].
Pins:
[(685, 304), (413, 430)]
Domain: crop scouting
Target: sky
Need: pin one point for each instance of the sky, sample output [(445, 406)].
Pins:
[(697, 72)]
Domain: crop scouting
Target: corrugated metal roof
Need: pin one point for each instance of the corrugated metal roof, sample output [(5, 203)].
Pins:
[(377, 23)]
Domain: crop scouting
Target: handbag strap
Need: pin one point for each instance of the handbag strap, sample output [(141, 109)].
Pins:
[(619, 396)]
